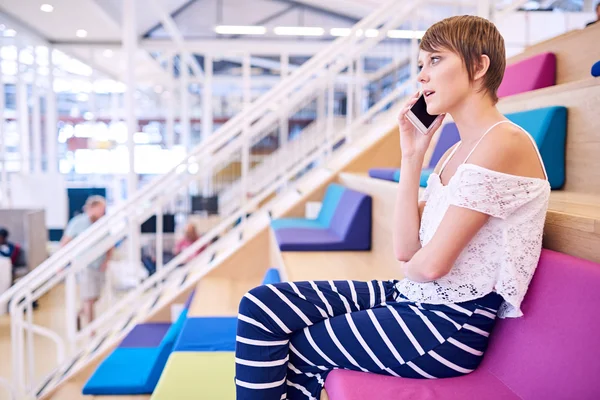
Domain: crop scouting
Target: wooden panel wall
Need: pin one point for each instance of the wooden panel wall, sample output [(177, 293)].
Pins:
[(576, 52)]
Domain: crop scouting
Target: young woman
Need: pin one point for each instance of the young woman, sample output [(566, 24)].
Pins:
[(468, 248)]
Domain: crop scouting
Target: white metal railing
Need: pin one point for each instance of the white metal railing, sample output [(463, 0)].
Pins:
[(313, 83)]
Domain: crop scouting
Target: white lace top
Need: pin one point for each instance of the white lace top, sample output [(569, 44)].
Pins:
[(503, 255)]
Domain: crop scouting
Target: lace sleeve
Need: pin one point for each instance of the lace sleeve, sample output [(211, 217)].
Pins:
[(491, 192)]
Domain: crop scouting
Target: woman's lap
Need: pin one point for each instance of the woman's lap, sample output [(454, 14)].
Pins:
[(359, 326), (387, 339)]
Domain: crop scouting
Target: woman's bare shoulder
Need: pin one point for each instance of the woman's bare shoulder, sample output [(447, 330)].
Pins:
[(510, 150)]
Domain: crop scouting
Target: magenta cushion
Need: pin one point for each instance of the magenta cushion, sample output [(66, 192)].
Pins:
[(352, 385), (530, 74), (549, 353)]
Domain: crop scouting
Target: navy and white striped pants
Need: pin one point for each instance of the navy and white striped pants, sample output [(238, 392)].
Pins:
[(290, 335)]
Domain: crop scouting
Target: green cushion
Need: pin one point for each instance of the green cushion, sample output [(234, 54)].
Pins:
[(197, 375)]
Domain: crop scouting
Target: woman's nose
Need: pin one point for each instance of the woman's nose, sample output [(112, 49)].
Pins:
[(422, 77)]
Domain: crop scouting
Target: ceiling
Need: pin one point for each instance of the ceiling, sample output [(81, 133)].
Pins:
[(195, 19)]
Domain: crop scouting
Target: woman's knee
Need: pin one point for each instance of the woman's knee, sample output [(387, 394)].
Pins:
[(258, 292)]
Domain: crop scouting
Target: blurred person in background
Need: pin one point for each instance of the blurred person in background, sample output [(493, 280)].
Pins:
[(91, 279), (190, 235)]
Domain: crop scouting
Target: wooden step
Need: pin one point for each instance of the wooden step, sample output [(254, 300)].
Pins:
[(573, 225), (572, 222)]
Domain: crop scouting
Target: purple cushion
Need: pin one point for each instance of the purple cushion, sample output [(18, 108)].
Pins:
[(448, 138), (383, 173), (532, 73), (349, 229), (352, 219), (307, 239), (146, 335), (549, 353)]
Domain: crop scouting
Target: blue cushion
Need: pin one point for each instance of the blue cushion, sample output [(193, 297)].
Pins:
[(330, 202), (207, 334), (127, 371), (548, 127), (282, 223), (272, 276), (596, 69)]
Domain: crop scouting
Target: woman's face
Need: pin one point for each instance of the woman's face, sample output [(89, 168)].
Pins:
[(444, 80)]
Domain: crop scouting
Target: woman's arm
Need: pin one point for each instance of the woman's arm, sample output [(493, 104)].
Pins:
[(408, 210), (407, 213)]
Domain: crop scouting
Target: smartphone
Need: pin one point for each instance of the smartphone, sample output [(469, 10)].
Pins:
[(419, 116)]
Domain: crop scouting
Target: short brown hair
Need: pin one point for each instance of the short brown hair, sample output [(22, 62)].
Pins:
[(470, 37)]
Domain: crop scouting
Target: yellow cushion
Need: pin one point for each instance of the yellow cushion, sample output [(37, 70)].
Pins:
[(197, 375)]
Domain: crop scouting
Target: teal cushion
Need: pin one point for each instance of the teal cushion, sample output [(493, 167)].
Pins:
[(295, 223), (330, 202), (174, 330), (425, 173), (127, 371), (272, 276), (548, 127)]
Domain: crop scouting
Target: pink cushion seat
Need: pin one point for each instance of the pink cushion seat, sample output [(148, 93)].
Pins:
[(530, 74), (549, 353)]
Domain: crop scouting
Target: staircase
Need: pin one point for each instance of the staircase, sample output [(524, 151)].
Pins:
[(314, 83)]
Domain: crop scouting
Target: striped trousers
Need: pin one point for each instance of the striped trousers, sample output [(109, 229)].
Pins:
[(290, 335)]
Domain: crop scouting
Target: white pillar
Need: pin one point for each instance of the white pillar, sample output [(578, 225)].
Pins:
[(36, 118), (207, 106), (360, 73), (246, 88), (115, 107), (330, 111), (4, 177), (350, 94), (92, 99), (321, 106), (285, 65), (246, 134), (170, 116), (284, 127), (23, 115), (130, 48), (414, 54), (207, 115), (184, 116), (51, 119)]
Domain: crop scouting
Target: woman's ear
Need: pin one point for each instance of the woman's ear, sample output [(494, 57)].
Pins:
[(482, 67)]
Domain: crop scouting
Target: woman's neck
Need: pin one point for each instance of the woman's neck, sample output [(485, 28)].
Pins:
[(474, 116)]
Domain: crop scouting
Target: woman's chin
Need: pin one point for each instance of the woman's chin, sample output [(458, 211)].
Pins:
[(434, 109)]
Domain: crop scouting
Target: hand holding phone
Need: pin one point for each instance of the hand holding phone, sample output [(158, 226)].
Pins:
[(415, 137), (421, 119)]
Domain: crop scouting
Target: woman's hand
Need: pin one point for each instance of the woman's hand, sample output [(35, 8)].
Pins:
[(413, 143)]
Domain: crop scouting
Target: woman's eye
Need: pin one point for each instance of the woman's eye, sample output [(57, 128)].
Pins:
[(419, 67), (434, 60)]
